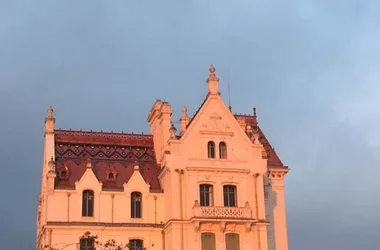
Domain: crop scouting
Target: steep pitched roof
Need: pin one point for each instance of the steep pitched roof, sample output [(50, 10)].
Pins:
[(108, 152), (273, 159)]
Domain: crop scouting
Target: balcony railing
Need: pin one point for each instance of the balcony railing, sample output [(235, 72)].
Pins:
[(222, 212)]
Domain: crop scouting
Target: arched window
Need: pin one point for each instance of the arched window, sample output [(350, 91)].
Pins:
[(222, 150), (136, 245), (229, 196), (232, 241), (205, 195), (208, 241), (88, 203), (211, 149), (136, 205), (87, 244)]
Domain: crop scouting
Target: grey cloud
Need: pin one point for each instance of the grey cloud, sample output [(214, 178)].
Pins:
[(101, 64)]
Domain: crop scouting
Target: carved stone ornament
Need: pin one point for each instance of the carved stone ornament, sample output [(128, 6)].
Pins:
[(223, 226), (249, 226), (277, 174), (215, 123)]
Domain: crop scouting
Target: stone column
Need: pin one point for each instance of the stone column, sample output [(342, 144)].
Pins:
[(277, 207)]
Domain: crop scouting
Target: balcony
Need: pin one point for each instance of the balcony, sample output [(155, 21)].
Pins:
[(222, 212)]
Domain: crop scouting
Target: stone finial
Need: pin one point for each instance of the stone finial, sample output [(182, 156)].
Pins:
[(50, 112), (249, 129), (212, 81), (172, 131), (256, 136), (184, 112), (254, 122), (88, 163), (51, 165), (196, 203), (212, 70), (136, 166), (49, 121), (184, 120)]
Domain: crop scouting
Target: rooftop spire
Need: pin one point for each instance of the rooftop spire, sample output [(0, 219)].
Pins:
[(255, 122), (49, 120), (50, 112), (212, 81)]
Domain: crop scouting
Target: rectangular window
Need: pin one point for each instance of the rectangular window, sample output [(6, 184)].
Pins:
[(229, 196), (208, 241), (205, 193), (136, 205), (136, 245), (86, 244), (88, 203), (232, 241)]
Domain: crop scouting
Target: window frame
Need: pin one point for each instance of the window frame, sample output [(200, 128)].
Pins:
[(92, 244), (136, 205), (204, 193), (228, 194), (88, 200), (137, 246), (226, 241), (223, 150), (211, 150), (202, 243)]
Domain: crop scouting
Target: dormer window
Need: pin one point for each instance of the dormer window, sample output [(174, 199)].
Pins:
[(63, 174), (211, 149), (222, 150), (111, 174)]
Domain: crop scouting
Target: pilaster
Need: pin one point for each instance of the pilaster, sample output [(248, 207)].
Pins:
[(277, 207)]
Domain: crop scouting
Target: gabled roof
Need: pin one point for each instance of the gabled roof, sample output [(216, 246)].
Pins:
[(273, 159), (108, 152)]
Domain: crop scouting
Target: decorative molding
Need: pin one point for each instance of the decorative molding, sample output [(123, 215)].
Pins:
[(215, 126), (197, 226), (103, 224), (249, 226), (218, 169), (223, 226), (221, 133), (276, 174)]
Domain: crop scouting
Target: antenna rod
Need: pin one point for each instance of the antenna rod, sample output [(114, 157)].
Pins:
[(229, 92)]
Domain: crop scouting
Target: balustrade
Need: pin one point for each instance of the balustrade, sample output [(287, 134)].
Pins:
[(222, 212)]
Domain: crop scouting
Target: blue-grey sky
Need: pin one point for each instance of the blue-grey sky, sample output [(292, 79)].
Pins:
[(310, 67)]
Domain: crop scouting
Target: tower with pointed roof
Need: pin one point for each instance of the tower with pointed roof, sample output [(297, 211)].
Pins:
[(217, 184)]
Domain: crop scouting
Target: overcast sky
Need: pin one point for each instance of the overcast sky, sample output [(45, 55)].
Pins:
[(310, 67)]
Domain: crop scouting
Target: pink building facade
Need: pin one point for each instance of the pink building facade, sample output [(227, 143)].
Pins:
[(215, 184)]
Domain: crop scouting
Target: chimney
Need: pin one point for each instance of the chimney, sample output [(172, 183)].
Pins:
[(159, 119)]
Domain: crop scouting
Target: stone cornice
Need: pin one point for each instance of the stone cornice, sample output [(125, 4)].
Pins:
[(103, 224), (218, 169), (276, 174)]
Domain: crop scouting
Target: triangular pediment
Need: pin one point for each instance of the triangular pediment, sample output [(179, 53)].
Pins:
[(136, 183), (215, 122), (88, 181)]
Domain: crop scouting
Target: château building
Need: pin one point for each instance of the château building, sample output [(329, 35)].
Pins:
[(217, 184)]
